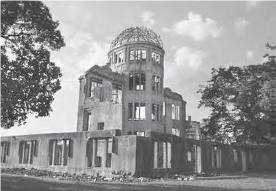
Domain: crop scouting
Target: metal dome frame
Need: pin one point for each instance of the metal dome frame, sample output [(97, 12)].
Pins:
[(136, 34)]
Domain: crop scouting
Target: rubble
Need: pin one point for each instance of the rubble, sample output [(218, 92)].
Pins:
[(117, 176)]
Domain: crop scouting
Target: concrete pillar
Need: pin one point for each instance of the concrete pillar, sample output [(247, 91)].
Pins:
[(54, 149), (105, 149), (30, 152), (94, 152), (155, 153), (23, 152), (169, 159), (4, 152), (62, 152), (164, 155)]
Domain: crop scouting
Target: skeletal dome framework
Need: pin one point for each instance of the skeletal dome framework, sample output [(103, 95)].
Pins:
[(136, 34)]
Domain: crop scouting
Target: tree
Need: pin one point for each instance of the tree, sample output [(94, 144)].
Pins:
[(242, 103), (28, 78)]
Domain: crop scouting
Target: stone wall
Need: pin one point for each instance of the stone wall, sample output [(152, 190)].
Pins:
[(108, 152)]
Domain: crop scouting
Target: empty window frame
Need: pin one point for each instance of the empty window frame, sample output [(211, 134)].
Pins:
[(95, 83), (131, 81), (155, 57), (140, 133), (156, 83), (116, 93), (161, 154), (142, 111), (157, 112), (130, 111), (5, 151), (143, 81), (87, 120), (153, 112), (139, 55), (138, 112), (59, 151), (27, 151), (176, 132), (175, 112), (137, 81), (153, 83), (118, 57), (100, 126)]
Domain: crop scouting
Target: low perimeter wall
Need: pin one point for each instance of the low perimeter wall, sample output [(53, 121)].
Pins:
[(107, 152)]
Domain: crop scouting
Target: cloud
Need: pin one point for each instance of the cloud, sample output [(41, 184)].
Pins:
[(240, 24), (147, 18), (196, 27), (252, 4), (87, 52), (249, 54), (96, 54), (79, 40), (189, 57)]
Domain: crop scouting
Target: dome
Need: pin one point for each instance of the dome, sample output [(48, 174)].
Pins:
[(136, 34)]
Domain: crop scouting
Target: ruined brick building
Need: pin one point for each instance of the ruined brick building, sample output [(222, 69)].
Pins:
[(127, 121), (128, 93)]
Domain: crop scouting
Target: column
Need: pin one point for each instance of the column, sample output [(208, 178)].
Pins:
[(23, 151), (105, 149), (155, 153), (54, 152), (94, 152), (30, 152), (164, 155), (169, 159)]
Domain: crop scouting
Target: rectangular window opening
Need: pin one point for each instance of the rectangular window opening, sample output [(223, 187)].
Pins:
[(153, 112), (60, 151), (100, 126), (143, 81), (155, 57), (144, 55), (153, 83), (173, 111), (5, 151), (141, 133), (130, 110), (137, 81), (116, 93), (131, 80), (95, 84), (139, 55), (136, 111), (157, 112), (132, 55), (142, 111)]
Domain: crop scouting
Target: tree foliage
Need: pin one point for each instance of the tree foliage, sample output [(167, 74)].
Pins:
[(28, 78), (242, 103)]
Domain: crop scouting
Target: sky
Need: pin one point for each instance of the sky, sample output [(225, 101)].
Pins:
[(197, 36)]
